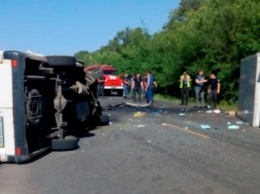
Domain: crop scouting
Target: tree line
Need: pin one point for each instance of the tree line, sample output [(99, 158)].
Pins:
[(212, 35)]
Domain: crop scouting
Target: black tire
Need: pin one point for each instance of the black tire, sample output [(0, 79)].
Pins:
[(104, 119), (68, 143), (120, 92), (34, 107), (107, 92), (57, 61), (82, 110)]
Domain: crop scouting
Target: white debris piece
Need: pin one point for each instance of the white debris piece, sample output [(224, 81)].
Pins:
[(239, 122), (217, 111), (205, 126), (234, 127)]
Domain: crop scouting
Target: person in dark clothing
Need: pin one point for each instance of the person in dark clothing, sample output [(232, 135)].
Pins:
[(131, 86), (144, 81), (214, 90), (101, 86), (155, 85), (126, 84), (185, 84), (149, 87), (137, 87), (199, 89)]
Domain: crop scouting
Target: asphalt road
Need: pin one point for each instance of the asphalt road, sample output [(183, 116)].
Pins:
[(160, 152)]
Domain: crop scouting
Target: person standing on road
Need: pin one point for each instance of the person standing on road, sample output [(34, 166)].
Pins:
[(101, 86), (199, 89), (154, 85), (185, 84), (214, 90), (137, 87), (149, 87), (126, 84), (131, 86), (144, 80)]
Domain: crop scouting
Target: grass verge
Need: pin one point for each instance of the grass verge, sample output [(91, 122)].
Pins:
[(223, 105)]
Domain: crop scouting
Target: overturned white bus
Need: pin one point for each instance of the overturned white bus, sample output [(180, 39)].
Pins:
[(45, 102)]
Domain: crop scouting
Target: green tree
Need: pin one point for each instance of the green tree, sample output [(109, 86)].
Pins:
[(213, 35)]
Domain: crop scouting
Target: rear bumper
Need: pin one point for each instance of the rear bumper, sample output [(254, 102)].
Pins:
[(22, 158), (16, 159), (114, 87), (6, 158)]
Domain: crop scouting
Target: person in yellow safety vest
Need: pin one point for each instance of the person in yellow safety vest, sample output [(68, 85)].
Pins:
[(185, 85)]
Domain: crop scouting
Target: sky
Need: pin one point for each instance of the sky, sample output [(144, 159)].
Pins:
[(64, 27)]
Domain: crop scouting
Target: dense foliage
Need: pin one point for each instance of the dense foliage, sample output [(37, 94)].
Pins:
[(213, 35)]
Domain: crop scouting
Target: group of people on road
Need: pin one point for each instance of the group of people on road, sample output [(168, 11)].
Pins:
[(212, 85), (141, 86)]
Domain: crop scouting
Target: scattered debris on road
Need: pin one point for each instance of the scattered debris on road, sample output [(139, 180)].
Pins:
[(239, 122), (217, 111), (230, 113), (234, 127), (205, 126), (181, 114), (139, 114)]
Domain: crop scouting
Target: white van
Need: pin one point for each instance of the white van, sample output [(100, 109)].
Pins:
[(44, 102)]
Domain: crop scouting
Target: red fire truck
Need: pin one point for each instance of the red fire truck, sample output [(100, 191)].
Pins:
[(113, 82)]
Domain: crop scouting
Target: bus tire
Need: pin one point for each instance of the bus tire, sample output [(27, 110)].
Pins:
[(82, 110), (120, 92), (34, 107), (104, 119), (57, 61), (68, 143)]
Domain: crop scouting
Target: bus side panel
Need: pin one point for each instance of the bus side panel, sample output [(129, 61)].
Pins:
[(21, 147), (6, 109), (9, 142), (6, 86)]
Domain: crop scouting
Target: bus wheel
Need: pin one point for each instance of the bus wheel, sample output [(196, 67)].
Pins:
[(120, 92), (34, 107), (68, 143), (104, 120), (58, 61)]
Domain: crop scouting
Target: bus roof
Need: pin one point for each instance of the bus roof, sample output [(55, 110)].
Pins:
[(29, 55), (99, 66)]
